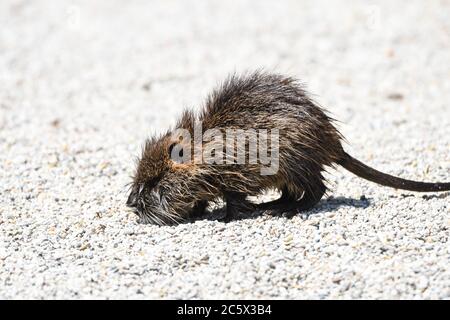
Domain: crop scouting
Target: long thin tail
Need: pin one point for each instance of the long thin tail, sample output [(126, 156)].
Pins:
[(360, 169)]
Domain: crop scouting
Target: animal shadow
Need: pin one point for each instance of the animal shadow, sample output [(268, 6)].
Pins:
[(325, 205)]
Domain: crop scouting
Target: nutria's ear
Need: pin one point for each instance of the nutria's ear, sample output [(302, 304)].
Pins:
[(175, 152), (170, 150), (180, 156)]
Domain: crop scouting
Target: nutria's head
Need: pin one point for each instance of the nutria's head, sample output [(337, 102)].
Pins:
[(163, 187)]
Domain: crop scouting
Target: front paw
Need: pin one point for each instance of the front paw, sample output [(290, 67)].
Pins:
[(199, 209)]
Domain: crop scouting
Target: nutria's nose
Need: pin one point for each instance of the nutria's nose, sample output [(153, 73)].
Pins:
[(132, 200)]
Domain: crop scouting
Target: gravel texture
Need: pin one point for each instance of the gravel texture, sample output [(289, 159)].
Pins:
[(83, 83)]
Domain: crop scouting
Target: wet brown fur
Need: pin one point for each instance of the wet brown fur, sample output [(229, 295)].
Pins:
[(167, 192)]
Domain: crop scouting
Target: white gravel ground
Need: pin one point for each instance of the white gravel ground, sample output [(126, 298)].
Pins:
[(83, 83)]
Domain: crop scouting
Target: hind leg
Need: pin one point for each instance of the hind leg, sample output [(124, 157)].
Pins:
[(285, 196), (290, 204)]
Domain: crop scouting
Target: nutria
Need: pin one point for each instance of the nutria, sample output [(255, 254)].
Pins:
[(166, 191)]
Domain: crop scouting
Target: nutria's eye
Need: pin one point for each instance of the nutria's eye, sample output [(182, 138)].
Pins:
[(178, 155)]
